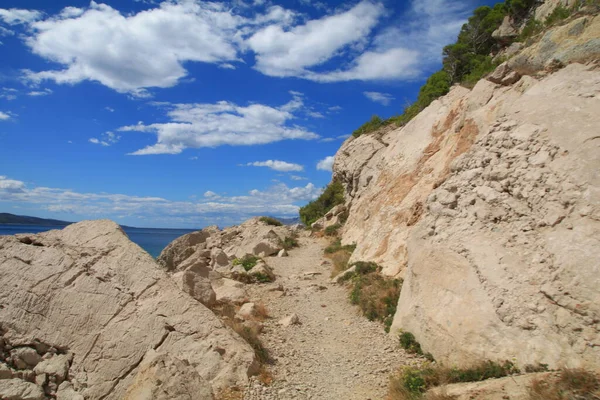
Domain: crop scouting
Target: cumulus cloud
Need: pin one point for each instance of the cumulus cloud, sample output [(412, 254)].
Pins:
[(222, 123), (378, 97), (101, 44), (326, 164), (282, 53), (10, 186), (108, 139), (276, 200), (298, 178), (4, 116), (277, 165), (15, 16)]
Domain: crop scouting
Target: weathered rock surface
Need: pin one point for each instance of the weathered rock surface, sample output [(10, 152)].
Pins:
[(335, 216), (576, 41), (216, 249), (488, 205), (88, 296), (510, 387)]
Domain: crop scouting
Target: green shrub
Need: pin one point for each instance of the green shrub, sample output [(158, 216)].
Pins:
[(332, 196), (409, 343), (271, 221), (558, 14), (337, 246), (531, 28), (372, 125), (332, 230), (290, 243), (376, 296), (247, 262)]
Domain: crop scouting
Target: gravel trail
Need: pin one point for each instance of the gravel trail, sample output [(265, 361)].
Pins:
[(334, 352)]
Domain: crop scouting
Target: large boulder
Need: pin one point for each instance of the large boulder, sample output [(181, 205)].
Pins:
[(488, 205), (89, 292)]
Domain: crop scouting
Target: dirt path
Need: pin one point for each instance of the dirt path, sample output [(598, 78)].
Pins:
[(334, 353)]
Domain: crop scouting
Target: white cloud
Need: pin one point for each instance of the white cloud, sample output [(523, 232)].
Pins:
[(381, 98), (108, 139), (277, 165), (10, 185), (8, 93), (326, 164), (222, 123), (100, 44), (276, 200), (16, 16), (6, 32), (298, 178), (37, 93), (335, 108), (284, 53), (4, 116), (109, 109)]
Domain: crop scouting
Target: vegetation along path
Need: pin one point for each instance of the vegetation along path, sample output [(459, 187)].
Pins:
[(333, 352)]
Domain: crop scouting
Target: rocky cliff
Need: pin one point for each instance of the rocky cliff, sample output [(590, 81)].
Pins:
[(488, 205), (85, 313)]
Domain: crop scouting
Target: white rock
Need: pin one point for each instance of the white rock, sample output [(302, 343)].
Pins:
[(289, 320), (16, 389)]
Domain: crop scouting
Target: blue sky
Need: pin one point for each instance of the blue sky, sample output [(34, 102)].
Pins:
[(191, 113)]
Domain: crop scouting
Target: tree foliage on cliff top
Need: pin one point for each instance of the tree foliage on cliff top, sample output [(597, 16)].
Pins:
[(465, 61), (331, 197)]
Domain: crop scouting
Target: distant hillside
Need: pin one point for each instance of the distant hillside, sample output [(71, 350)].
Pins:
[(6, 218)]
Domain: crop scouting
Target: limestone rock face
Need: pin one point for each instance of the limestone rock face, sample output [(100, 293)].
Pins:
[(488, 205), (88, 300), (577, 41)]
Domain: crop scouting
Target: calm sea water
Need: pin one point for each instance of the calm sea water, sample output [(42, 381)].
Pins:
[(150, 239)]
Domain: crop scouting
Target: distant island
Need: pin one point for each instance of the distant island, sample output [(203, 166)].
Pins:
[(6, 218)]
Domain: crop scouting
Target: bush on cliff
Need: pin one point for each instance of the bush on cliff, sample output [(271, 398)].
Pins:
[(332, 196), (464, 62)]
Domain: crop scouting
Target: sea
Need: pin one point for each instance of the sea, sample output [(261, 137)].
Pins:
[(153, 240)]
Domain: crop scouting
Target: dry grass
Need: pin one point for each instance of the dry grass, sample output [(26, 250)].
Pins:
[(339, 256), (571, 384), (261, 311), (340, 261), (232, 393), (376, 296), (248, 333), (264, 376)]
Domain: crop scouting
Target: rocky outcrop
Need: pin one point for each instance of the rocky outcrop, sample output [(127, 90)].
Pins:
[(506, 32), (334, 217), (576, 41), (215, 249), (488, 205), (85, 312)]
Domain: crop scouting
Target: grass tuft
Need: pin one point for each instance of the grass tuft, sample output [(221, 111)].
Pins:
[(571, 384), (376, 296), (247, 262), (332, 230), (412, 383), (271, 221)]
